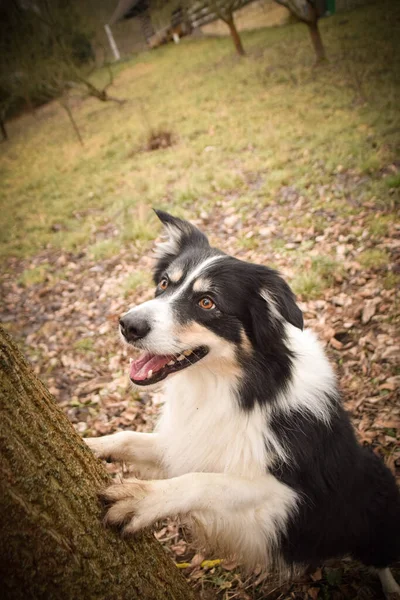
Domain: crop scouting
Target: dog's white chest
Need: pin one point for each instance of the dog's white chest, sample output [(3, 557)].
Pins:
[(203, 430)]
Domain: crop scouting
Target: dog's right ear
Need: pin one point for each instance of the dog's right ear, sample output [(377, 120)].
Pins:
[(179, 233)]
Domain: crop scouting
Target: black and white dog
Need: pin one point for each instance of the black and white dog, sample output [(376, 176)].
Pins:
[(253, 447)]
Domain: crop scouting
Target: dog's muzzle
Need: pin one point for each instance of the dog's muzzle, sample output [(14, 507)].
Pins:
[(134, 327)]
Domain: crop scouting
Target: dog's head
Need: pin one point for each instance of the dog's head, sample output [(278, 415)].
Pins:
[(210, 309)]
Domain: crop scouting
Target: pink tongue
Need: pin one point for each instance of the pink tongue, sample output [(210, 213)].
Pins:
[(145, 363)]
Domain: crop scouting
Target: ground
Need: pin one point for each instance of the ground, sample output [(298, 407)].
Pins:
[(280, 163)]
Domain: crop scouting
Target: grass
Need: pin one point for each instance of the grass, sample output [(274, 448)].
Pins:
[(104, 249), (138, 279), (307, 285), (393, 181), (314, 275), (374, 258), (34, 275), (270, 118), (379, 225), (391, 281), (84, 345)]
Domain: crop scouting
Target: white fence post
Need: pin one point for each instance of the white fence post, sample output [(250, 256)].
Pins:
[(112, 43)]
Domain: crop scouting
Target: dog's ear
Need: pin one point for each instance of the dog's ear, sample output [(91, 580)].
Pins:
[(280, 299), (280, 302), (179, 233)]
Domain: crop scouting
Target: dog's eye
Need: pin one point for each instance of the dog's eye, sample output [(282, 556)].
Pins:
[(206, 303), (163, 284)]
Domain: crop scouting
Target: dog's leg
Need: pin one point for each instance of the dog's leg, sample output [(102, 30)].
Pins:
[(390, 587), (138, 504), (133, 447)]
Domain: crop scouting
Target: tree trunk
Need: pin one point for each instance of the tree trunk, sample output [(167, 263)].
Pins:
[(309, 13), (3, 129), (65, 104), (317, 41), (235, 36), (53, 545)]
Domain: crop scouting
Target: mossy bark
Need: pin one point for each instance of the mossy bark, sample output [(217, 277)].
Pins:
[(53, 544)]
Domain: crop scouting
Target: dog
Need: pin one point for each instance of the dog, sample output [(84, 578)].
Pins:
[(253, 448)]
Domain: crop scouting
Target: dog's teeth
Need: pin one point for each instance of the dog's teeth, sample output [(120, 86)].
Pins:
[(187, 352), (150, 373), (130, 360), (181, 357), (171, 362)]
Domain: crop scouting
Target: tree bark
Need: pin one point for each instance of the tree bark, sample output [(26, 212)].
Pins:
[(3, 129), (235, 36), (53, 545), (317, 41), (307, 11), (64, 103)]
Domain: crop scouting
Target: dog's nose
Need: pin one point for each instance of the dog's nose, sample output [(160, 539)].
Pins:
[(133, 327)]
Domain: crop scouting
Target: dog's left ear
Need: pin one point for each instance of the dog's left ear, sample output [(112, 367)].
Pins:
[(284, 306), (280, 299), (179, 233)]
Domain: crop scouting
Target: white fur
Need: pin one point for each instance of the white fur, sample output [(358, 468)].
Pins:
[(205, 430), (214, 458), (312, 376), (141, 449), (272, 304), (170, 245), (199, 270), (175, 274), (202, 284), (213, 455), (239, 515), (161, 339)]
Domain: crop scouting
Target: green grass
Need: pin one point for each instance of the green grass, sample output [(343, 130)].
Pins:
[(34, 276), (391, 281), (393, 181), (374, 258), (307, 285), (84, 345), (314, 275), (139, 279), (104, 249), (379, 225), (271, 118)]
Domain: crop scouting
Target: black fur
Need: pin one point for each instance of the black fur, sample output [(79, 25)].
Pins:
[(350, 502)]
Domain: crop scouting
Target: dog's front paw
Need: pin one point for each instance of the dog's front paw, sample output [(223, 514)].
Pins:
[(99, 447), (133, 505)]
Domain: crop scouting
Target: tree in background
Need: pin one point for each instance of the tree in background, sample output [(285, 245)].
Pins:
[(225, 10), (205, 11), (53, 543), (309, 13), (45, 53)]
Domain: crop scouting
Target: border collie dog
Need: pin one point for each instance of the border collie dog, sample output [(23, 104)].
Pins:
[(253, 448)]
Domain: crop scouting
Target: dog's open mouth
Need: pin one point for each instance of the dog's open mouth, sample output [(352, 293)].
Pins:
[(151, 368)]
